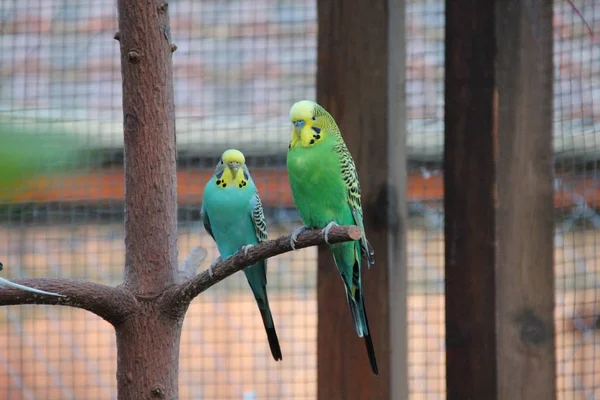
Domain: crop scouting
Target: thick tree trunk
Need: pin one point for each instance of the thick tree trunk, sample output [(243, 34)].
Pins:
[(149, 139), (148, 341), (148, 354)]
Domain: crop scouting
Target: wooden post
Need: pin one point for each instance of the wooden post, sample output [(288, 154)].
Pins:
[(498, 200), (524, 220), (360, 81), (397, 202)]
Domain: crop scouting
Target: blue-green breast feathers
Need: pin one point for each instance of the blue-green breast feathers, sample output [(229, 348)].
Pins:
[(233, 216)]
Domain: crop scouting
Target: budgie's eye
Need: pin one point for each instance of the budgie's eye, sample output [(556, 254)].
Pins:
[(221, 161), (314, 118)]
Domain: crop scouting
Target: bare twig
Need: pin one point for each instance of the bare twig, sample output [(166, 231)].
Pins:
[(179, 296), (111, 303), (589, 28)]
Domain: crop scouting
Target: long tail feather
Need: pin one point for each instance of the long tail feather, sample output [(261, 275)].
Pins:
[(267, 318), (256, 276), (361, 323), (369, 342), (273, 342)]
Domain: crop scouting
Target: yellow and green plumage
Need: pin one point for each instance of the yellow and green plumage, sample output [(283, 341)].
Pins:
[(326, 192), (233, 215)]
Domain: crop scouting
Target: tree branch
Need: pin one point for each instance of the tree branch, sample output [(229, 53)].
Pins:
[(114, 304), (178, 297), (111, 303)]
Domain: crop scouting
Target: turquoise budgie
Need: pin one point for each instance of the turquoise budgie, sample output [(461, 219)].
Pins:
[(233, 215), (326, 192)]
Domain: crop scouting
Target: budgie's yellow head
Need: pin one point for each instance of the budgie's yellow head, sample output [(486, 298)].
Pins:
[(233, 159), (312, 124), (231, 171)]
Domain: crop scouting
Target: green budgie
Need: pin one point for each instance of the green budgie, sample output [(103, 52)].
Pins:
[(4, 282), (28, 150), (233, 215), (326, 192)]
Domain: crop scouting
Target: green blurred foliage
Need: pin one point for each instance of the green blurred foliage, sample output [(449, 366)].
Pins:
[(28, 151)]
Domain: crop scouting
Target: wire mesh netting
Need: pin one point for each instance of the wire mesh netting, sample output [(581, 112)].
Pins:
[(576, 145), (240, 64), (425, 236), (577, 236)]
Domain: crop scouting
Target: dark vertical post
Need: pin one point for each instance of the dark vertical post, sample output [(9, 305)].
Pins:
[(470, 200), (360, 80), (397, 156), (524, 220), (498, 200)]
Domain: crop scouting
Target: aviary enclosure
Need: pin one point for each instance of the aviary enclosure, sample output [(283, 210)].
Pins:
[(474, 127)]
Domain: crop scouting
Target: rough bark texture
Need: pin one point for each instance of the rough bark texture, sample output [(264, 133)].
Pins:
[(150, 156), (148, 343), (148, 354), (113, 304)]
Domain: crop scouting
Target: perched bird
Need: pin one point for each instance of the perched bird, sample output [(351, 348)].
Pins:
[(4, 282), (326, 192), (233, 215), (29, 150)]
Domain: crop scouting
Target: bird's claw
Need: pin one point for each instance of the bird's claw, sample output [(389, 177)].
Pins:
[(327, 229), (244, 249), (294, 236), (212, 264)]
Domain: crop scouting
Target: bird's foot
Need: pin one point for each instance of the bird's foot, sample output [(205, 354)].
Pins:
[(295, 236), (244, 249), (212, 264), (327, 229)]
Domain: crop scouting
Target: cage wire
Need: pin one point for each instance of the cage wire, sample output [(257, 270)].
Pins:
[(577, 151), (425, 236), (239, 65)]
